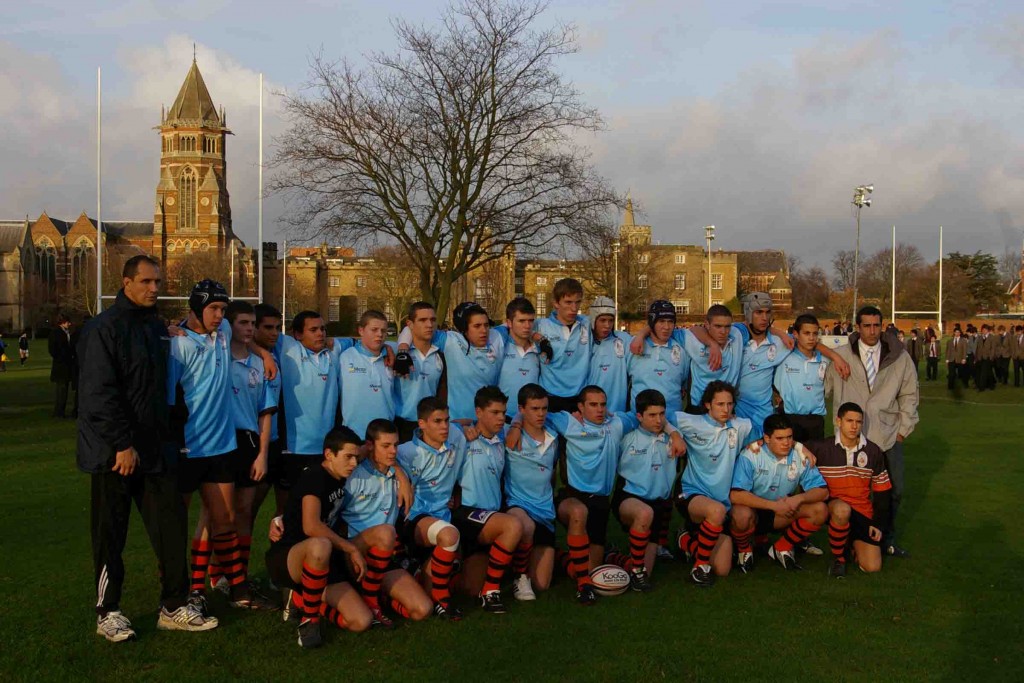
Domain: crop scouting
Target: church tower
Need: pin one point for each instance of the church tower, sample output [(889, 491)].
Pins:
[(192, 212)]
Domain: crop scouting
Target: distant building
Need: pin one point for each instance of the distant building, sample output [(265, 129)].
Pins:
[(765, 271)]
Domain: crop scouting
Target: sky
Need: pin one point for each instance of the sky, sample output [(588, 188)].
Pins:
[(759, 118)]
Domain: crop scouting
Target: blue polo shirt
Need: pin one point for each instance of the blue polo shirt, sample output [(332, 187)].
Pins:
[(567, 372), (800, 382), (433, 473), (421, 382), (645, 466), (756, 375), (711, 451), (480, 478), (371, 498), (662, 367), (609, 361), (528, 473), (592, 451), (519, 367), (252, 395), (700, 373), (366, 386), (309, 392), (772, 478), (201, 363)]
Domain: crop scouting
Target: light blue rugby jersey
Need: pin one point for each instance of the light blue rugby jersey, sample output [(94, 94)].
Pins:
[(645, 466), (421, 382), (309, 392), (480, 477), (609, 361), (528, 473), (252, 395), (371, 498), (800, 382), (665, 368), (700, 374), (711, 451), (592, 451), (567, 372), (433, 473), (773, 478), (201, 363), (756, 375), (519, 367), (365, 383)]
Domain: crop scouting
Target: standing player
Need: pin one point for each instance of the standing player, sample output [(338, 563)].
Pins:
[(859, 490), (608, 358), (364, 379), (764, 497), (529, 472), (713, 441), (521, 362), (309, 557), (800, 381), (433, 460), (568, 333), (265, 335), (663, 363), (709, 362), (420, 370)]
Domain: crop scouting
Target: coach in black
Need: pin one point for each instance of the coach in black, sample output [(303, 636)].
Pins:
[(122, 427)]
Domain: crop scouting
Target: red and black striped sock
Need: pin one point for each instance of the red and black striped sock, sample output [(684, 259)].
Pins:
[(743, 540), (399, 609), (314, 581), (663, 519), (214, 571), (579, 558), (498, 559), (637, 548), (200, 563), (297, 603), (795, 534), (688, 543), (244, 548), (332, 615), (226, 546), (563, 560), (707, 536), (837, 537), (377, 561), (617, 558), (521, 558), (441, 561)]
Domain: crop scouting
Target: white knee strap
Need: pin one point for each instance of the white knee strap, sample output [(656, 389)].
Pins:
[(435, 529)]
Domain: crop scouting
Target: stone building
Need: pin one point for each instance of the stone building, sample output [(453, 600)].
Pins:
[(16, 269)]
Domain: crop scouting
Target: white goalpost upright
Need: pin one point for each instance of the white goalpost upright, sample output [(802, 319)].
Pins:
[(938, 311), (99, 190)]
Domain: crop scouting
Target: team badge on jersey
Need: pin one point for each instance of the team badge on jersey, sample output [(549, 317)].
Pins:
[(732, 436), (821, 371), (254, 378), (862, 459), (620, 348), (791, 474), (677, 355), (491, 356), (771, 352), (584, 336)]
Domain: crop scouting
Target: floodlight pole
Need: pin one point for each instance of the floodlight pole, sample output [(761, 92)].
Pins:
[(709, 235), (860, 200), (259, 209), (284, 281), (99, 191), (941, 330), (615, 253), (893, 318)]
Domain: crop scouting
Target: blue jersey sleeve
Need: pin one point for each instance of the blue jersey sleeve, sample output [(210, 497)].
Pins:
[(343, 344), (811, 479), (502, 331), (744, 332), (558, 422), (743, 474), (629, 421), (680, 336), (175, 368)]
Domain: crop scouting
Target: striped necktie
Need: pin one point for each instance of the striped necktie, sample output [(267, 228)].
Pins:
[(869, 368)]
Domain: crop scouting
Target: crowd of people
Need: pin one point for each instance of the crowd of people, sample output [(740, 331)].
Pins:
[(453, 461)]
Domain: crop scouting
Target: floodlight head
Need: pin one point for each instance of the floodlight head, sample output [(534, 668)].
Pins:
[(869, 188), (867, 202)]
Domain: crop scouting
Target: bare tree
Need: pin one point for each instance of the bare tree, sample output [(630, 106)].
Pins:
[(1010, 266), (842, 269), (456, 146), (395, 285)]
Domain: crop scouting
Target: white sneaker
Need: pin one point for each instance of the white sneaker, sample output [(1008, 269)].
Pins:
[(185, 618), (115, 627), (522, 589)]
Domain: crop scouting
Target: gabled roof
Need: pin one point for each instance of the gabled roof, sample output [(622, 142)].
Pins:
[(62, 226), (763, 261), (128, 228), (193, 102), (780, 282), (12, 235)]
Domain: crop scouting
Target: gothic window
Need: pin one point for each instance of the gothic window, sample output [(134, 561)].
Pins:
[(187, 199), (81, 261), (188, 247), (46, 262)]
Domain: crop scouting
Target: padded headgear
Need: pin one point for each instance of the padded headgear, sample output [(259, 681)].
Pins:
[(755, 301), (205, 293), (463, 312), (660, 310)]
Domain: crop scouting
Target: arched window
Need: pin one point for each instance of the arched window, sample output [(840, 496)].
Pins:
[(46, 262), (188, 247), (82, 256), (187, 199)]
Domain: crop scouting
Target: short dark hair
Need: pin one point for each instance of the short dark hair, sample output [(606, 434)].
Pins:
[(485, 396), (775, 422), (587, 390), (236, 308), (62, 318), (719, 311), (264, 311), (380, 426), (867, 310), (369, 315), (428, 405), (565, 287), (714, 388), (416, 307), (131, 266), (519, 305), (299, 321), (647, 398), (849, 407), (531, 392), (339, 436), (805, 319)]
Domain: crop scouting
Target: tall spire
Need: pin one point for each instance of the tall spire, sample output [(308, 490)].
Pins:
[(193, 102), (627, 220)]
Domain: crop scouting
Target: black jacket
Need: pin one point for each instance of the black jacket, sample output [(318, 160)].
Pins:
[(59, 346), (122, 398)]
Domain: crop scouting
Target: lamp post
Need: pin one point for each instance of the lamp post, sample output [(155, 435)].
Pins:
[(709, 235), (860, 200), (615, 254)]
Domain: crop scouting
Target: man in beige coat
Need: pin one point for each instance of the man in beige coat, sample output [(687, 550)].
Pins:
[(883, 382)]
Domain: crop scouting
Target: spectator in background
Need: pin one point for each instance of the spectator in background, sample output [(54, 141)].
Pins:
[(1001, 362), (932, 354), (914, 348), (23, 347), (972, 350), (76, 334), (984, 357), (59, 345), (956, 359), (1017, 354), (3, 354)]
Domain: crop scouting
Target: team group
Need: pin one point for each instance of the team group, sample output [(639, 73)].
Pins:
[(404, 473)]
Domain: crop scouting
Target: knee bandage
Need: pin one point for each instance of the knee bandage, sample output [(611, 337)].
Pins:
[(435, 529)]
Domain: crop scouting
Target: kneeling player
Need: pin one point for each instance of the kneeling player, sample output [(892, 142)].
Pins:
[(370, 510), (763, 486), (309, 557), (647, 468), (859, 490), (528, 493), (713, 441), (487, 535)]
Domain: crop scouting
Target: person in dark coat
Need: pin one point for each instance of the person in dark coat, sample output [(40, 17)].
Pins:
[(59, 344), (124, 446)]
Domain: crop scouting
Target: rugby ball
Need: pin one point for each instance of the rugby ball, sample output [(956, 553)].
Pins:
[(610, 579)]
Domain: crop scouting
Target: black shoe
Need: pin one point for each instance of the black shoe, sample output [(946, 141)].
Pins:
[(491, 602), (786, 558), (893, 550), (380, 620), (838, 569), (309, 634), (639, 581), (447, 612), (745, 562), (702, 576), (585, 595)]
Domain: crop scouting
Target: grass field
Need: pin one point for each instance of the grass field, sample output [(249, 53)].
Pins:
[(952, 612)]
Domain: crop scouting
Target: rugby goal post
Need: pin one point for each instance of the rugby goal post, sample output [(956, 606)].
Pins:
[(895, 312)]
